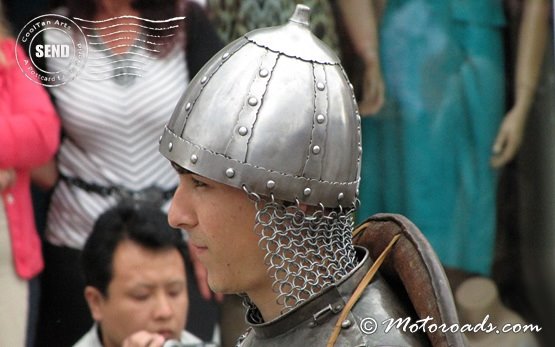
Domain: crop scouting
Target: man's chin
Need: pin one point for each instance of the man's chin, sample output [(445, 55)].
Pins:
[(220, 288)]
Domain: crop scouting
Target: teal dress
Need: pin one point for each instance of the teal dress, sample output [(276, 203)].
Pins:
[(426, 154)]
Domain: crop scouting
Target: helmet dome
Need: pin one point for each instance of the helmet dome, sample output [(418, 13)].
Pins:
[(272, 111)]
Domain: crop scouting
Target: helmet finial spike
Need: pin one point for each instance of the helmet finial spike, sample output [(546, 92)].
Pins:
[(301, 15)]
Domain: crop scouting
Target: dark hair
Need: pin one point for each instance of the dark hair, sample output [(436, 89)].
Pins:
[(143, 224)]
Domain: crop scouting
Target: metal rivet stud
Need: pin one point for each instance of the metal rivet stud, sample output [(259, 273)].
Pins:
[(194, 158), (312, 324), (307, 191), (225, 56), (320, 86), (346, 324), (340, 196), (316, 149), (204, 79), (160, 140), (320, 118), (230, 172), (338, 307), (253, 101), (357, 192), (243, 131), (188, 106), (270, 184), (170, 146), (264, 73)]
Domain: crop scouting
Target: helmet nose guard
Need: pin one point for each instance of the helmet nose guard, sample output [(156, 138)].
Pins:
[(272, 111)]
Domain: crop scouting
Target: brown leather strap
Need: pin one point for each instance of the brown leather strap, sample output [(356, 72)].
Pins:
[(360, 228), (360, 289)]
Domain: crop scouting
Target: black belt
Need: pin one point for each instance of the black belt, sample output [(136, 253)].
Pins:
[(151, 194)]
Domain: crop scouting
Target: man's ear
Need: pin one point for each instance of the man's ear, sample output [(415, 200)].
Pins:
[(95, 300)]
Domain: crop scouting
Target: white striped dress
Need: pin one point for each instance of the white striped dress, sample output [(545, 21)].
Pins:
[(111, 132)]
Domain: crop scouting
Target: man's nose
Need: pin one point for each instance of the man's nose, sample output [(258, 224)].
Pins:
[(181, 214), (163, 309)]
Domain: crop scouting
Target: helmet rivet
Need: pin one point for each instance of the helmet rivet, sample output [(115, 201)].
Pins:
[(253, 101), (351, 85), (194, 158), (170, 146), (307, 191), (270, 184), (359, 150), (188, 106), (316, 149), (225, 56), (204, 79), (230, 172), (357, 192), (320, 118), (264, 73), (346, 324), (243, 131), (320, 86), (160, 140), (340, 196)]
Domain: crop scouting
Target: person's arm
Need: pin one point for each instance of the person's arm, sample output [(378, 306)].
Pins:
[(45, 176), (531, 46), (29, 136), (361, 25)]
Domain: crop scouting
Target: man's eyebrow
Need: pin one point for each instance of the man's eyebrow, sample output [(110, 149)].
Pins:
[(180, 170)]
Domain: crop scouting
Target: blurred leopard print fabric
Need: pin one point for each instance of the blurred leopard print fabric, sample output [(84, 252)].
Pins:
[(234, 18)]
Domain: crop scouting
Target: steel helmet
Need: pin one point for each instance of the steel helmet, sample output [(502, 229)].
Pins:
[(272, 112)]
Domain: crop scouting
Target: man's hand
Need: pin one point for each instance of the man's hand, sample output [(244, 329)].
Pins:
[(144, 339)]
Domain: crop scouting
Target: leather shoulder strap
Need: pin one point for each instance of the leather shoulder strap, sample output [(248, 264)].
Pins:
[(414, 268)]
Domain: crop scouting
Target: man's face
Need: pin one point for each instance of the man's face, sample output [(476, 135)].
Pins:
[(220, 222), (148, 292)]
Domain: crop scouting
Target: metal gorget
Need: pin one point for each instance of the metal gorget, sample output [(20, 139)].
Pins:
[(311, 323)]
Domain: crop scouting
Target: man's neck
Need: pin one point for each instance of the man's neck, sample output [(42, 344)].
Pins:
[(266, 303), (104, 342), (99, 334)]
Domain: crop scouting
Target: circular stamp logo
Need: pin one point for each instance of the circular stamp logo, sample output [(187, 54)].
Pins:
[(57, 40)]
